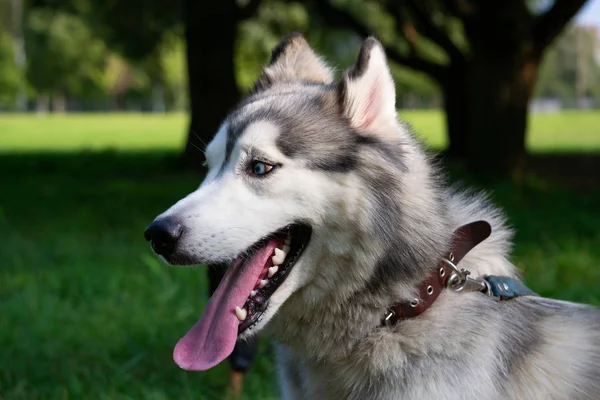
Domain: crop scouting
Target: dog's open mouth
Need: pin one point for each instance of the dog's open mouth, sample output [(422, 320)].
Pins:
[(291, 242), (242, 297)]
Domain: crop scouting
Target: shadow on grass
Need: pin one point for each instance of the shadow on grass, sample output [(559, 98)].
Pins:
[(86, 311), (582, 170)]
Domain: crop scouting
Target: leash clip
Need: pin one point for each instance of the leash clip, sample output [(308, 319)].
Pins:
[(460, 281)]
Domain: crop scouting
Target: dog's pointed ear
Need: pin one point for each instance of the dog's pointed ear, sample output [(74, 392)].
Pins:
[(293, 60), (367, 93)]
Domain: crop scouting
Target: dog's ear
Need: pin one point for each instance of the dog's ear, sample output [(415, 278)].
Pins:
[(367, 93), (293, 60)]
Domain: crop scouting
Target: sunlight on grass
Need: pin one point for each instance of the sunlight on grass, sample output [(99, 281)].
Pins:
[(92, 132), (567, 131)]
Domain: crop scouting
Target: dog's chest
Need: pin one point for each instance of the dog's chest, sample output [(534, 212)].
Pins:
[(302, 378)]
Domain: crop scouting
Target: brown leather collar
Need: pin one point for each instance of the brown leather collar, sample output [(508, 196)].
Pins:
[(463, 240)]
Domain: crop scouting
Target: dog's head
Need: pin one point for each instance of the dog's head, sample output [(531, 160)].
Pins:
[(281, 183)]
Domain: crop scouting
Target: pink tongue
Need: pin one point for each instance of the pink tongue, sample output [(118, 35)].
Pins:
[(212, 339)]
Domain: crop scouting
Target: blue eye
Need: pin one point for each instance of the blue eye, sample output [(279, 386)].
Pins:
[(261, 168)]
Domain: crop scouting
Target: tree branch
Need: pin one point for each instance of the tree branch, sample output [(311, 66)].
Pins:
[(435, 71), (344, 19), (463, 10), (426, 26), (404, 28), (410, 34), (248, 10), (549, 25)]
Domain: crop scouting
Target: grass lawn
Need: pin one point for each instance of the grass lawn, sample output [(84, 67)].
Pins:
[(569, 131), (87, 312)]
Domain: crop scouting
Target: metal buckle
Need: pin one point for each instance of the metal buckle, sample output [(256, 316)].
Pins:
[(460, 281), (390, 314)]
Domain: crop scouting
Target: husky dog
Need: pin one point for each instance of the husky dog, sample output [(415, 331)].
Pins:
[(329, 211)]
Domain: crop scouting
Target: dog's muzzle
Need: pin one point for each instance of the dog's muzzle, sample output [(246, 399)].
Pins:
[(163, 234)]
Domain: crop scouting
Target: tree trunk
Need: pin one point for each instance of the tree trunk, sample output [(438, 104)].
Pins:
[(42, 103), (210, 33), (158, 97), (486, 110), (59, 103), (456, 110), (499, 96)]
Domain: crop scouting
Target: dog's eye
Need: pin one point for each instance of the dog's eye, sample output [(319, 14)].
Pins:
[(259, 168)]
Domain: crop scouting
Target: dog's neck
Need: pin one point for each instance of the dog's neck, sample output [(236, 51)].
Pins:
[(359, 274), (330, 326), (362, 269)]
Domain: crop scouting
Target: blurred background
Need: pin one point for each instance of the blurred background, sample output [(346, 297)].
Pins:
[(105, 107)]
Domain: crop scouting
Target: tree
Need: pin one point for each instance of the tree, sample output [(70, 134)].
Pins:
[(570, 70), (258, 36), (491, 56), (9, 78), (64, 58), (145, 42), (141, 48), (10, 75), (211, 33), (11, 17)]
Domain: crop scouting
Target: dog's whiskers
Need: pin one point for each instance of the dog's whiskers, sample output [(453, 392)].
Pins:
[(199, 138)]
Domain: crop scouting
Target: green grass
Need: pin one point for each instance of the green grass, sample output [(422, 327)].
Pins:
[(569, 131), (86, 311), (32, 133)]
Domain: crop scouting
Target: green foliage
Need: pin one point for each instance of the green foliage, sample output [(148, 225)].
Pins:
[(87, 311), (409, 83), (372, 15), (128, 48), (173, 65), (134, 28), (9, 73), (63, 54), (123, 78), (258, 36), (391, 31), (73, 45), (571, 65)]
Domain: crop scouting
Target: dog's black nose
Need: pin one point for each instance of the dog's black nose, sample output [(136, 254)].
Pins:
[(163, 234)]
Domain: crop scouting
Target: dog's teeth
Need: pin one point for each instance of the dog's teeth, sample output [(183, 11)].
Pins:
[(273, 271), (253, 293), (241, 313), (263, 283), (278, 257), (286, 248)]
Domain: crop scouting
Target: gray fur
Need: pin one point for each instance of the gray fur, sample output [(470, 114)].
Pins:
[(373, 249), (292, 61)]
